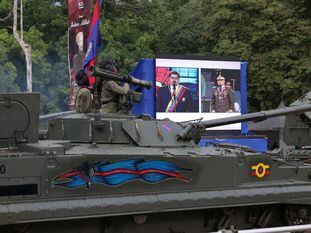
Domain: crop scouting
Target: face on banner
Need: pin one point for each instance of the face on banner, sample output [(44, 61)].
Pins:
[(192, 89)]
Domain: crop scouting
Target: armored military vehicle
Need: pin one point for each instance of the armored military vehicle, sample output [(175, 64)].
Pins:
[(121, 173), (293, 131)]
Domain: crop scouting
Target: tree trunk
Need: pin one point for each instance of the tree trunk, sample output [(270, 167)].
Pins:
[(26, 48)]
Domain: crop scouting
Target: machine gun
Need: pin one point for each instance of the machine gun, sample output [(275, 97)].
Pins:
[(125, 102), (193, 130)]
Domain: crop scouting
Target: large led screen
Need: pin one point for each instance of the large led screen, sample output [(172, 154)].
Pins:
[(190, 88)]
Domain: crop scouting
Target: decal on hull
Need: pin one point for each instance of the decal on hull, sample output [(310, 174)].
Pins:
[(120, 172), (260, 170)]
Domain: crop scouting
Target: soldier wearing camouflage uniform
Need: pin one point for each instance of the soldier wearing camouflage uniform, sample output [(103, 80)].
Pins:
[(83, 95), (111, 90)]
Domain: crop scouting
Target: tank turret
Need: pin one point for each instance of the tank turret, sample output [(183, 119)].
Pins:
[(120, 128)]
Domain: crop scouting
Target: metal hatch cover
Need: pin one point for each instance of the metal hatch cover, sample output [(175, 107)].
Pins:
[(14, 118), (19, 116)]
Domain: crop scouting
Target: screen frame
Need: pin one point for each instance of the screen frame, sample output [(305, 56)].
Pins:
[(229, 63)]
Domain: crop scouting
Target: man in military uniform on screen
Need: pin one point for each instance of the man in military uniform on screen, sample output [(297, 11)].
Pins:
[(173, 97), (222, 97)]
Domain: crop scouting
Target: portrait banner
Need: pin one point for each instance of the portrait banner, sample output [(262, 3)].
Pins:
[(79, 13)]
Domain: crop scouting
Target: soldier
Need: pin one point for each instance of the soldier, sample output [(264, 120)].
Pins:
[(174, 97), (222, 97), (83, 96), (111, 90)]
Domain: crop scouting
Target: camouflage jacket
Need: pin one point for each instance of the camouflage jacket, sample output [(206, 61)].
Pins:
[(110, 94), (83, 100)]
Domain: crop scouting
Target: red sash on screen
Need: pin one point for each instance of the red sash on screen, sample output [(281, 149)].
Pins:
[(172, 105)]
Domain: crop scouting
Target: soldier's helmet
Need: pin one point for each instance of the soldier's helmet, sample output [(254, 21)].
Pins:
[(108, 65), (82, 79)]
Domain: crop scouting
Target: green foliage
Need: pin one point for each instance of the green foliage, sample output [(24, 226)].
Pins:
[(5, 6), (129, 32), (45, 29), (185, 32), (38, 46), (274, 36), (7, 74), (7, 69)]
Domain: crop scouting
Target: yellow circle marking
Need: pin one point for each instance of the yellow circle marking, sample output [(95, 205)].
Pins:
[(257, 168)]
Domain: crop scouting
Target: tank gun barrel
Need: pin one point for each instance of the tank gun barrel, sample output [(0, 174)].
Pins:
[(107, 75), (258, 116), (192, 130)]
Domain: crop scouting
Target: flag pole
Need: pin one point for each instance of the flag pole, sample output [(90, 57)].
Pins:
[(95, 52)]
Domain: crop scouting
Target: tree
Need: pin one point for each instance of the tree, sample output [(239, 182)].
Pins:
[(181, 29), (25, 47), (272, 37), (47, 34), (7, 69), (129, 30)]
